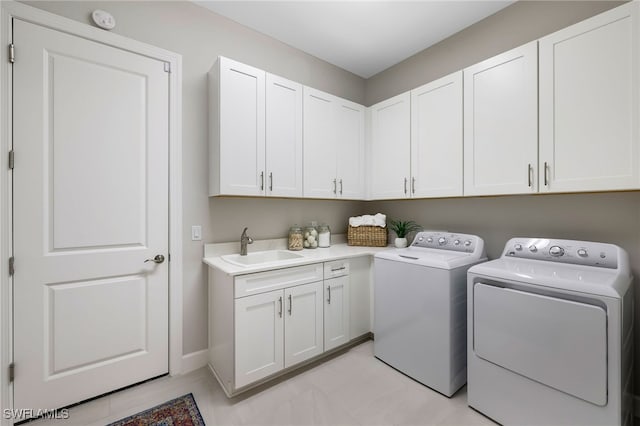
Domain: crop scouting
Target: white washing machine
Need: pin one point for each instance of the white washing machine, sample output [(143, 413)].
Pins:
[(550, 334), (420, 325)]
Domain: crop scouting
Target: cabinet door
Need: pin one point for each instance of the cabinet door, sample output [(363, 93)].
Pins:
[(302, 323), (336, 312), (589, 99), (501, 123), (259, 333), (350, 149), (390, 148), (319, 164), (242, 129), (283, 137), (436, 138)]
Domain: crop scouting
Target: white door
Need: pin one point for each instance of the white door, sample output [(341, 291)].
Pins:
[(259, 336), (501, 123), (436, 138), (242, 129), (350, 150), (319, 164), (90, 205), (390, 147), (336, 312), (589, 104), (283, 137), (303, 337)]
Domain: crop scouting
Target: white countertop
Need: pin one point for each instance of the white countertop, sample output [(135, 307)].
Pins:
[(213, 253)]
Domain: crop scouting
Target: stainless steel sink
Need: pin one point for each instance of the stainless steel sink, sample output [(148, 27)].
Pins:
[(261, 257)]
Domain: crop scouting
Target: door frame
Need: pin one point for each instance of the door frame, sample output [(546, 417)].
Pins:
[(12, 9)]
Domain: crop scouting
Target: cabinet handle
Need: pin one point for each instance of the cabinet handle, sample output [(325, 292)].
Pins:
[(290, 305), (280, 302), (329, 292), (335, 188), (405, 185), (270, 181), (529, 170), (261, 181), (546, 174), (338, 269), (340, 186), (413, 185)]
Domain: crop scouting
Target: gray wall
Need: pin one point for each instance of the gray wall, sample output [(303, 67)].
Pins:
[(200, 36), (511, 27)]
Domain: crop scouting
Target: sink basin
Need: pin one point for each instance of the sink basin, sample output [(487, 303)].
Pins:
[(260, 257)]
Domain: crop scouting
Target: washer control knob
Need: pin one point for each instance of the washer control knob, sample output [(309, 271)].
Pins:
[(456, 242), (442, 241), (518, 247), (556, 251), (421, 238), (582, 253), (467, 243), (533, 249), (429, 240)]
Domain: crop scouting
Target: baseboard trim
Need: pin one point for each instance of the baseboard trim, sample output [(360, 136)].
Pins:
[(194, 361)]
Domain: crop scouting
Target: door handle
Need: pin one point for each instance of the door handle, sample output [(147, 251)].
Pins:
[(270, 181), (157, 259), (261, 181), (335, 188), (405, 185), (546, 174), (413, 185), (280, 302), (340, 186), (329, 294), (529, 170), (290, 305)]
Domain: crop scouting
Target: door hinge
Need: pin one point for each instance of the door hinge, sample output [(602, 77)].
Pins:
[(12, 268), (12, 372), (12, 53), (167, 67), (12, 159)]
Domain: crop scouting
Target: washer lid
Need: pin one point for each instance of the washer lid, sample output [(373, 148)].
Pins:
[(433, 258), (578, 278)]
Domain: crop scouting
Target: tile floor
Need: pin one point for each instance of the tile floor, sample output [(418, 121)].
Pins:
[(352, 388)]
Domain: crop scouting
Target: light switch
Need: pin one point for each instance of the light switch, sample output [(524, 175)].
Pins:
[(196, 233)]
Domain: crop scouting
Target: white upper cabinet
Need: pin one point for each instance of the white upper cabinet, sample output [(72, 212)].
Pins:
[(390, 148), (333, 164), (589, 112), (255, 132), (436, 138), (501, 123), (283, 137), (237, 113)]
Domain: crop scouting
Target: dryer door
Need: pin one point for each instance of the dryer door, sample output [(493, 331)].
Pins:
[(556, 342)]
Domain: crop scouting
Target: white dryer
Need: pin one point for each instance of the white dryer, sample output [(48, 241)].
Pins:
[(420, 307), (550, 334)]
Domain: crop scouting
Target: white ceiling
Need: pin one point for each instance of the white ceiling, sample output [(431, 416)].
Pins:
[(364, 37)]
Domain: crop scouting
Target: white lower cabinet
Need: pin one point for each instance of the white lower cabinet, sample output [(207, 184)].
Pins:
[(259, 336), (336, 312), (263, 323)]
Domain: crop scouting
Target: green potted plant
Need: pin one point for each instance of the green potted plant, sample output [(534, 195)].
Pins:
[(402, 228)]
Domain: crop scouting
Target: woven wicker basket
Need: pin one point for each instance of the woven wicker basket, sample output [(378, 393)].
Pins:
[(369, 236)]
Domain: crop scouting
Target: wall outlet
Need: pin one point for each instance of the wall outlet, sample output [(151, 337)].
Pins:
[(196, 233)]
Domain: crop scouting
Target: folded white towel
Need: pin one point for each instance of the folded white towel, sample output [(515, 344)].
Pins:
[(368, 220)]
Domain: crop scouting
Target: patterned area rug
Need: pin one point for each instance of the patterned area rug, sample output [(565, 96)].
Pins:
[(181, 411)]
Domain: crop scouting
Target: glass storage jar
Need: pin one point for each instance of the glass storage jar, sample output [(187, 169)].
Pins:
[(324, 236), (295, 238), (310, 237)]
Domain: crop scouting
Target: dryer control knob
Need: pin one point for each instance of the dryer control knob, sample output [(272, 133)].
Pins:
[(442, 241), (518, 247), (429, 240), (533, 249), (556, 251), (582, 253), (467, 243), (456, 242)]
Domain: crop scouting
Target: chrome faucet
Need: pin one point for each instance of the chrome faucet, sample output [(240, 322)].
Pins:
[(244, 240)]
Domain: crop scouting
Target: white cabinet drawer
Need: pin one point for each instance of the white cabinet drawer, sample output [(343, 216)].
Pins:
[(246, 285), (336, 269)]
